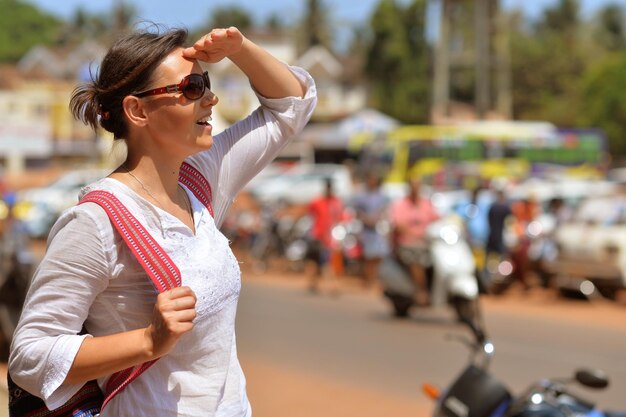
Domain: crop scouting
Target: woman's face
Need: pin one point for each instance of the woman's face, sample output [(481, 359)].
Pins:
[(176, 123)]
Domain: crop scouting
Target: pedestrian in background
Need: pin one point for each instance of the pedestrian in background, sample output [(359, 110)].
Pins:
[(371, 205), (524, 212), (153, 92), (475, 218), (497, 216), (410, 217), (326, 212)]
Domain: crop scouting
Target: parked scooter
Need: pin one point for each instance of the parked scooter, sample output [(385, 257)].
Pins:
[(477, 393), (451, 275)]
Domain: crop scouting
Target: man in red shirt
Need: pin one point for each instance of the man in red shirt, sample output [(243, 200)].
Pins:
[(410, 216), (326, 211)]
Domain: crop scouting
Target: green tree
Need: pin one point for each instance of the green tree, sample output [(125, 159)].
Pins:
[(397, 61), (314, 27), (547, 66), (275, 22), (24, 26), (230, 16), (605, 107), (610, 32), (84, 25), (223, 17), (563, 17)]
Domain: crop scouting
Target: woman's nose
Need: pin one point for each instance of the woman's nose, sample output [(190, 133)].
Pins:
[(210, 99)]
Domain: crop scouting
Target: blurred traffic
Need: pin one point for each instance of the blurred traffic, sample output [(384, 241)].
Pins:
[(550, 220), (551, 233)]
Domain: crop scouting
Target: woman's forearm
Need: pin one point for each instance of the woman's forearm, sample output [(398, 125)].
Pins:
[(269, 76), (105, 355)]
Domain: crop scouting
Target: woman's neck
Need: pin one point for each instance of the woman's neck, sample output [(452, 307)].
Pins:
[(158, 178)]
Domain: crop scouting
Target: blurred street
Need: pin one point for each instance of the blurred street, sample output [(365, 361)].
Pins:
[(312, 355), (344, 355)]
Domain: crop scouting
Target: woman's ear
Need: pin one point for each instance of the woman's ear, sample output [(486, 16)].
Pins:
[(134, 110)]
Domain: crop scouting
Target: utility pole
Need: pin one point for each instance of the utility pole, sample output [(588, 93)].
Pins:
[(441, 81), (486, 53), (482, 59)]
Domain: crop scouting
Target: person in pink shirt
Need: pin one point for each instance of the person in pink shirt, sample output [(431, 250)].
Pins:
[(410, 216)]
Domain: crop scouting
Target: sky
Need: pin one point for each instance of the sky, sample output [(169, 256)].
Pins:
[(191, 13)]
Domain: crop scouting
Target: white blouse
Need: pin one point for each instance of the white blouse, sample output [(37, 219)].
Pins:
[(88, 275)]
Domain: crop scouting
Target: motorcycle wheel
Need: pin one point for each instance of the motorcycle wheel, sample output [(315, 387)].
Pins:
[(401, 305)]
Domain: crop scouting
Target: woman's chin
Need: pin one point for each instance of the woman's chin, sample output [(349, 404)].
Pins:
[(206, 141)]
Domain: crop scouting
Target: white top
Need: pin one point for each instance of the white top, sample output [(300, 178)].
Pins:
[(89, 275)]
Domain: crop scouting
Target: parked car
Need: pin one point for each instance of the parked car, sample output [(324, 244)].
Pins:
[(40, 207), (592, 248)]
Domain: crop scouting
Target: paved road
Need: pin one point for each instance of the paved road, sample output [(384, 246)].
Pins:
[(293, 344)]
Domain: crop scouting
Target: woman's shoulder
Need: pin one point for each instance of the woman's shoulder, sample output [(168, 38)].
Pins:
[(85, 215)]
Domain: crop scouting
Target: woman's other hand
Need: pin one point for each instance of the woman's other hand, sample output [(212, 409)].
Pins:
[(173, 316), (216, 45)]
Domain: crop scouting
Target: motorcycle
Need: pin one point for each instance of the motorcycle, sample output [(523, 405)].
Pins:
[(451, 274), (477, 393), (497, 275), (280, 239)]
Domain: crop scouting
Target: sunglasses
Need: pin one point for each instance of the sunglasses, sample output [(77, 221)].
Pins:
[(192, 86)]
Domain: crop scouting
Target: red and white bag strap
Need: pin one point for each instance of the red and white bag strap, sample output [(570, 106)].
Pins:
[(191, 178), (164, 274)]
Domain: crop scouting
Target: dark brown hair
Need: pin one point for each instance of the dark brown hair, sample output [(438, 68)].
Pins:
[(126, 69)]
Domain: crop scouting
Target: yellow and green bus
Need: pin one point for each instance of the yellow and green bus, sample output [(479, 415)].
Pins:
[(491, 150)]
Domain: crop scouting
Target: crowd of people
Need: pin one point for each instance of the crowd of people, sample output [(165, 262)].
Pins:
[(495, 226)]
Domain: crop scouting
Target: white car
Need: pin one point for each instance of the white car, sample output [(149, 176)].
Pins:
[(592, 248), (39, 207)]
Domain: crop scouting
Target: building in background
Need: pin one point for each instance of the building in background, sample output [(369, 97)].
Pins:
[(37, 128)]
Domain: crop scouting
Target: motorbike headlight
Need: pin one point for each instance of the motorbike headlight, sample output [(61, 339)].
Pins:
[(449, 234), (505, 268), (339, 232), (535, 228), (587, 288)]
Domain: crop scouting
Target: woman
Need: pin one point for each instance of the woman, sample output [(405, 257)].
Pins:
[(90, 276)]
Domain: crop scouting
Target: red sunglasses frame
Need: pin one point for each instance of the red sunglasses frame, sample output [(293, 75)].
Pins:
[(180, 87)]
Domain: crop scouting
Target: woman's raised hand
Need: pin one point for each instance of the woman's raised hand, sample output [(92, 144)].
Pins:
[(216, 45), (173, 316)]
